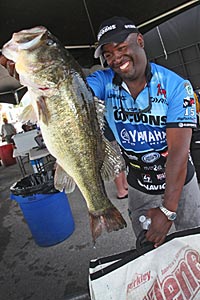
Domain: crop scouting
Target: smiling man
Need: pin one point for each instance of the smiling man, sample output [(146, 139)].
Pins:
[(151, 111)]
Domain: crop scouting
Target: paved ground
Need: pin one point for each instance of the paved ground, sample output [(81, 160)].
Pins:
[(60, 272)]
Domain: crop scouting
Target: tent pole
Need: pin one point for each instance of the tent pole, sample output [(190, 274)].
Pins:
[(89, 19), (168, 13), (162, 43)]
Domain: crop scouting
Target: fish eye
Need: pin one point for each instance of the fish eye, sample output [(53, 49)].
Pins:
[(49, 42)]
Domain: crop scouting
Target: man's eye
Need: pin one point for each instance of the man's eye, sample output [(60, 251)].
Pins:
[(107, 55), (121, 49)]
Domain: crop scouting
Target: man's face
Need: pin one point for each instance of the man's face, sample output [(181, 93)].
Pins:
[(128, 58)]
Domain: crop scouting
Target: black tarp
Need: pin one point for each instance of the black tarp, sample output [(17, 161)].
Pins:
[(76, 22), (176, 45)]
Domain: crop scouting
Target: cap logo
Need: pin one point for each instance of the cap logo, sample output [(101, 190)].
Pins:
[(104, 30), (129, 26)]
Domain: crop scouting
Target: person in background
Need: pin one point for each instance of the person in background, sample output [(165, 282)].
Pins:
[(197, 101), (120, 181), (194, 145), (7, 131), (25, 127), (151, 112), (28, 126)]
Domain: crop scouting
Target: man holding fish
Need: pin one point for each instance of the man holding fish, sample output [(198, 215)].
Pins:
[(151, 112)]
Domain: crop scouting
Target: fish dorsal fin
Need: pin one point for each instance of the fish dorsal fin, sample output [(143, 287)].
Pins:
[(112, 164), (100, 109), (62, 181), (28, 114)]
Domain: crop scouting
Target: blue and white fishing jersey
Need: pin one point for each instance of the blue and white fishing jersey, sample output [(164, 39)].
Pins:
[(139, 125)]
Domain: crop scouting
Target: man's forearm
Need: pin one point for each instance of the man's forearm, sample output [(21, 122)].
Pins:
[(176, 170)]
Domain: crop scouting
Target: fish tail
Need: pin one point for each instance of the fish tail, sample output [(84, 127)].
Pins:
[(110, 220)]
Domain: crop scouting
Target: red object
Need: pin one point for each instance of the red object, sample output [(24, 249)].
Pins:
[(6, 155)]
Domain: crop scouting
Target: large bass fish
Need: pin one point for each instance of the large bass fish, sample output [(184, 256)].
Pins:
[(71, 127)]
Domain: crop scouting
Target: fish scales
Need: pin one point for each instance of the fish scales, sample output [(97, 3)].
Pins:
[(63, 147), (67, 115)]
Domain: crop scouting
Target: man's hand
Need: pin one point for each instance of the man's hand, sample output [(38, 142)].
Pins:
[(9, 65), (159, 228)]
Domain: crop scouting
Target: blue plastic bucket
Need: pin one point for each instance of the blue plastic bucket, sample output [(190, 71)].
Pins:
[(48, 216)]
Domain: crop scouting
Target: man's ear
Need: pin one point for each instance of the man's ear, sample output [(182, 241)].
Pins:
[(140, 40)]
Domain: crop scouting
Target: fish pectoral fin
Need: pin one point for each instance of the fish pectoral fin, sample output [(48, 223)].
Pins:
[(112, 164), (28, 114), (42, 110), (62, 181)]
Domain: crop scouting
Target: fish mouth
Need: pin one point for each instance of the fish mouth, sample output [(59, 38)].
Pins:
[(23, 40), (10, 51), (29, 37)]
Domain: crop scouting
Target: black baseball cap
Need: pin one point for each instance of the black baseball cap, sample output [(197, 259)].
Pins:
[(114, 30)]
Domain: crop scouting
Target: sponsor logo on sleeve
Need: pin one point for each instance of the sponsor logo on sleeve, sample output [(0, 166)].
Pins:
[(188, 89), (188, 102), (181, 125)]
